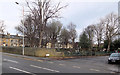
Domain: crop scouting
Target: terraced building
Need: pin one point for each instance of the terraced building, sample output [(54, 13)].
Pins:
[(10, 40)]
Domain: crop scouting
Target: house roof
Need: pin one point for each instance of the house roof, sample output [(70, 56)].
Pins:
[(10, 36)]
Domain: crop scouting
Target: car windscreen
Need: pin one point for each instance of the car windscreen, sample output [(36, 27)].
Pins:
[(115, 55)]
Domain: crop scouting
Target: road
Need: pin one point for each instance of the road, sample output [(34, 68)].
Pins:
[(33, 65)]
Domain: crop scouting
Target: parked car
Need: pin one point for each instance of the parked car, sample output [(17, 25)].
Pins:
[(114, 58)]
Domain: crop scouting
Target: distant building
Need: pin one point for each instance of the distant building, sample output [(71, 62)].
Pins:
[(49, 45), (58, 45), (10, 40)]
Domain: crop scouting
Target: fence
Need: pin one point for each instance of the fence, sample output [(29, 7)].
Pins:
[(72, 52)]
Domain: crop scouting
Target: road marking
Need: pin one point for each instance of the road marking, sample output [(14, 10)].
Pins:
[(40, 60), (113, 69), (44, 68), (94, 70), (20, 70), (10, 60), (112, 72), (62, 64), (50, 62), (76, 66)]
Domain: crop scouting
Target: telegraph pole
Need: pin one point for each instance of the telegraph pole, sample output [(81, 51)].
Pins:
[(23, 51)]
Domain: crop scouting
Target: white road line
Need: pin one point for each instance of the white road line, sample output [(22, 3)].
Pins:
[(50, 62), (94, 70), (10, 60), (20, 70), (44, 68), (40, 60), (36, 66), (112, 72), (75, 66), (62, 64)]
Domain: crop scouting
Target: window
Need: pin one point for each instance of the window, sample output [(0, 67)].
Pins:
[(3, 42), (11, 40), (16, 41), (6, 40)]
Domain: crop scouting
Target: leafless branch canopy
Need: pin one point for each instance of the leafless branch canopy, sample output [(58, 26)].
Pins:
[(41, 12), (2, 27)]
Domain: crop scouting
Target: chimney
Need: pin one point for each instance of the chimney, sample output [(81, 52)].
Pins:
[(8, 34), (16, 34)]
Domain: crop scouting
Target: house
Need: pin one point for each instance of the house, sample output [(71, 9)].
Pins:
[(10, 40), (59, 45)]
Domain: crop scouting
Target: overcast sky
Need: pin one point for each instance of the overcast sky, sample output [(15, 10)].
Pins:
[(82, 13)]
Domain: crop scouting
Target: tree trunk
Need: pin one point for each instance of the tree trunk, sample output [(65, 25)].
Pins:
[(98, 47), (53, 44), (109, 42), (40, 42), (73, 43)]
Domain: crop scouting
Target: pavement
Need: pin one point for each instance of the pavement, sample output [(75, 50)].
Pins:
[(12, 63)]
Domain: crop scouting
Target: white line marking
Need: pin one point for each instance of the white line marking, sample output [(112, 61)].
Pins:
[(94, 70), (112, 72), (50, 62), (36, 66), (10, 60), (20, 70), (44, 68), (62, 64), (76, 66), (40, 60)]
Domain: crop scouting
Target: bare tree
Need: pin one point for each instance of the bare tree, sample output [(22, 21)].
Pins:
[(42, 12), (72, 31), (111, 27), (64, 36), (2, 27), (30, 30), (99, 32), (53, 31)]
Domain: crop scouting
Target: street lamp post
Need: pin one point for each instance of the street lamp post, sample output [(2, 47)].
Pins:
[(118, 20), (23, 27)]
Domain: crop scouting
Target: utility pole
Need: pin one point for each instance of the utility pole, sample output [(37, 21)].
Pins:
[(23, 51), (119, 20)]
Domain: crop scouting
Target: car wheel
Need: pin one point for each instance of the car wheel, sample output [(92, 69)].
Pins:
[(109, 62)]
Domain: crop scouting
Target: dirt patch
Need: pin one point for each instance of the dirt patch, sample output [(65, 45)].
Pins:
[(72, 57)]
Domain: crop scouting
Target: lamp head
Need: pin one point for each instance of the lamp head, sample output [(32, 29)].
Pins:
[(16, 2)]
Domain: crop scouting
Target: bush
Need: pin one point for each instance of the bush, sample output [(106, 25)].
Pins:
[(41, 52), (30, 51), (13, 50)]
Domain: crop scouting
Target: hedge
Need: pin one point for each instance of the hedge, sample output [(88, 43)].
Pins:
[(39, 52)]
